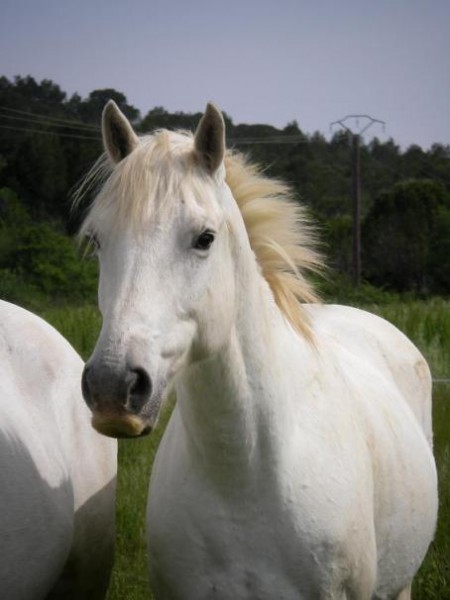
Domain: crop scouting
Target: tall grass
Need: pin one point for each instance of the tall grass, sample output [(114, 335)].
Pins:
[(80, 325), (433, 579), (427, 323), (130, 575)]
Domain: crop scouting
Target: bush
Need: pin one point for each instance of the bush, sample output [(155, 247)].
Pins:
[(340, 289), (14, 289), (49, 261), (38, 260)]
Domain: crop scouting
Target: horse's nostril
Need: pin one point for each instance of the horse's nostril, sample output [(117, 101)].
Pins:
[(106, 389), (139, 388)]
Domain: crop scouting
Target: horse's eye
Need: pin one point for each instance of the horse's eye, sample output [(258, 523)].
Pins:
[(204, 240)]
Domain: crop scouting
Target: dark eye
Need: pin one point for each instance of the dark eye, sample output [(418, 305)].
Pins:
[(204, 240)]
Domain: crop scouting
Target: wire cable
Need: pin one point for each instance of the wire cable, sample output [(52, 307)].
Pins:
[(44, 132), (46, 123), (36, 116)]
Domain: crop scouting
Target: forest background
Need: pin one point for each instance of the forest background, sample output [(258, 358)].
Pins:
[(48, 141)]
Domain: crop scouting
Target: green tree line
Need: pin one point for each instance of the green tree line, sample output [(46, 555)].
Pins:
[(48, 141)]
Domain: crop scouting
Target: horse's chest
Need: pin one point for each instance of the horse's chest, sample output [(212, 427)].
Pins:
[(244, 546)]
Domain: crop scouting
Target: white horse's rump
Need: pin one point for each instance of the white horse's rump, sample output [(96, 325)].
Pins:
[(297, 462), (57, 476)]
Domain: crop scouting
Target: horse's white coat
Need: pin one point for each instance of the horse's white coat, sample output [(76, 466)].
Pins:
[(289, 469), (57, 475), (313, 479)]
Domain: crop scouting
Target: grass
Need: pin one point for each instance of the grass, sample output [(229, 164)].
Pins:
[(80, 325), (130, 577), (427, 323), (433, 578)]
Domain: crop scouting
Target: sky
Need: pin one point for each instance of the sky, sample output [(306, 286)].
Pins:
[(262, 61)]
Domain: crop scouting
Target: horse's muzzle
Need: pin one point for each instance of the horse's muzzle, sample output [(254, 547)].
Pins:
[(117, 399)]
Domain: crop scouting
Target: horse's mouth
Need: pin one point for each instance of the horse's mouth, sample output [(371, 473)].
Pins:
[(120, 425)]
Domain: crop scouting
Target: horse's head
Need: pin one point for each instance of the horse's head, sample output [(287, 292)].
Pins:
[(162, 227)]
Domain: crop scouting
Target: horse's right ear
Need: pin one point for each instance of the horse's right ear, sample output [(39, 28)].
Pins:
[(119, 138), (209, 139)]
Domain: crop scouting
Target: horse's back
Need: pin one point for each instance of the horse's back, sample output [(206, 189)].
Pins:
[(48, 484), (386, 348)]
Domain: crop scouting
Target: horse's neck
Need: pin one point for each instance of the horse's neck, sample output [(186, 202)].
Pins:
[(233, 404)]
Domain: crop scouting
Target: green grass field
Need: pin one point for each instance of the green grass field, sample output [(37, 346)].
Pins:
[(427, 323)]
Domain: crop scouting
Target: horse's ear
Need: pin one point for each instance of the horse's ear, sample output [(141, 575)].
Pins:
[(209, 139), (119, 138)]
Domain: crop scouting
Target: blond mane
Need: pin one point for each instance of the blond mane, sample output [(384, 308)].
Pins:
[(280, 235)]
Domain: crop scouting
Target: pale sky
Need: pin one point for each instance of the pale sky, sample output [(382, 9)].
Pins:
[(262, 61)]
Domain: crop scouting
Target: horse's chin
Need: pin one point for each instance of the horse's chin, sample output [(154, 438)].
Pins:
[(120, 426)]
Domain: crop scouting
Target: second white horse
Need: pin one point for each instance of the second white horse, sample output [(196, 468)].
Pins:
[(57, 475)]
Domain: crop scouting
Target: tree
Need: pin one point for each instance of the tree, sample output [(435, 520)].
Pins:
[(158, 118), (440, 252), (45, 92), (338, 234), (91, 109), (41, 167), (399, 233), (39, 170), (37, 258)]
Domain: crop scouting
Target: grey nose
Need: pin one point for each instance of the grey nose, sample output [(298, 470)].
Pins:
[(103, 387)]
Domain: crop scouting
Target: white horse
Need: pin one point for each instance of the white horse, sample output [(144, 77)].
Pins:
[(297, 462), (57, 475)]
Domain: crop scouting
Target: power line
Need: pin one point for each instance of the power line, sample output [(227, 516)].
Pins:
[(274, 140), (44, 132), (280, 139), (356, 118), (38, 117), (243, 141), (45, 123), (58, 122)]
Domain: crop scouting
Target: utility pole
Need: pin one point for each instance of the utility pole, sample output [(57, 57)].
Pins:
[(356, 134)]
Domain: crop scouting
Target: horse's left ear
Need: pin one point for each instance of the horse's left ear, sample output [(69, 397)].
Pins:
[(209, 141), (119, 138)]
